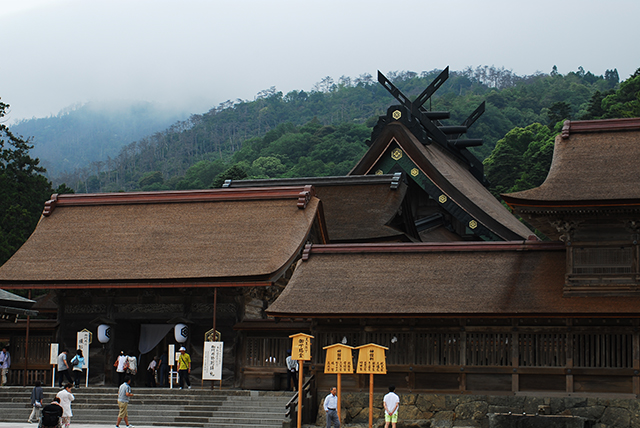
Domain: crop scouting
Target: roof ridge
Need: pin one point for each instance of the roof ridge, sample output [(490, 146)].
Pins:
[(428, 247), (302, 194), (599, 125)]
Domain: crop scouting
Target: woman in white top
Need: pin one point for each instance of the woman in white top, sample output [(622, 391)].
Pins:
[(120, 363), (66, 397)]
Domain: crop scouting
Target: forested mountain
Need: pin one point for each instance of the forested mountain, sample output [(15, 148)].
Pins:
[(82, 134), (521, 159), (215, 140)]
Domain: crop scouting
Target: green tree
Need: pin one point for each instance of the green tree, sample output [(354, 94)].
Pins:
[(23, 190)]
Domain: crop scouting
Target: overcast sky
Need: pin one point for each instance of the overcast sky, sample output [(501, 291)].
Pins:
[(199, 53)]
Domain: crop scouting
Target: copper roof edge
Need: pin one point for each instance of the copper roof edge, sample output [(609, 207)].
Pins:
[(602, 125), (301, 193), (514, 201), (431, 247)]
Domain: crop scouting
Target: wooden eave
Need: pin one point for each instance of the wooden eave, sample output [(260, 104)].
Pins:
[(602, 125)]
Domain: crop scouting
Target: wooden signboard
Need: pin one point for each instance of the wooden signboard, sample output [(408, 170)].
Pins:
[(301, 351), (339, 359), (371, 359), (301, 347)]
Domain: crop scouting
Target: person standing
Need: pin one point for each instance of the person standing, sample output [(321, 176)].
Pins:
[(120, 363), (124, 392), (184, 367), (151, 372), (37, 395), (5, 363), (292, 371), (66, 397), (163, 370), (63, 368), (391, 402), (77, 362), (331, 407), (132, 368)]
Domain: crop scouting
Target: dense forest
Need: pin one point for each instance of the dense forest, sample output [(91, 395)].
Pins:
[(218, 139), (322, 132)]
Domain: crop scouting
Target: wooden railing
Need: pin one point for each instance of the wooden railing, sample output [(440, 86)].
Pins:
[(309, 402)]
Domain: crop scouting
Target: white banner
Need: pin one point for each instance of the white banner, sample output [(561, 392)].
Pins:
[(53, 355), (82, 343), (212, 361), (172, 355)]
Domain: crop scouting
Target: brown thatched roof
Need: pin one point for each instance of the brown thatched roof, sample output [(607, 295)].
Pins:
[(437, 280), (192, 238), (376, 199), (465, 197), (594, 163)]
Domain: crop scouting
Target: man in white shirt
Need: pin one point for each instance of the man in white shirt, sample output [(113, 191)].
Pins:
[(331, 407), (292, 371), (391, 403)]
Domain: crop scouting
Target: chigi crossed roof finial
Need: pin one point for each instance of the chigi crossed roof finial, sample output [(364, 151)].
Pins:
[(448, 137)]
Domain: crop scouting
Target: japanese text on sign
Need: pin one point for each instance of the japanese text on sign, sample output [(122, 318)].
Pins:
[(212, 361), (339, 359), (301, 346), (371, 359)]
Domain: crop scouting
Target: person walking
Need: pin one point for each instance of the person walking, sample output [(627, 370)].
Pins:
[(292, 371), (124, 392), (63, 368), (331, 407), (151, 372), (5, 363), (77, 362), (184, 367), (120, 364), (37, 395), (66, 397), (391, 402)]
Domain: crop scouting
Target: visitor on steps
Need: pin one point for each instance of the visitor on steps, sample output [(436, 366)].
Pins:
[(184, 367), (124, 392), (37, 395)]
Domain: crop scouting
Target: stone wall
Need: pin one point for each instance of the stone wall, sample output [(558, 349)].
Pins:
[(444, 411)]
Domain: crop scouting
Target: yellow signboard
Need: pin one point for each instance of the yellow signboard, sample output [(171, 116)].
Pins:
[(371, 359), (339, 359), (301, 347)]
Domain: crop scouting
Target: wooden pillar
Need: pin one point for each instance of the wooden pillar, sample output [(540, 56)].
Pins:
[(636, 359), (463, 355), (515, 357), (569, 364), (300, 394), (370, 400), (339, 396), (26, 349)]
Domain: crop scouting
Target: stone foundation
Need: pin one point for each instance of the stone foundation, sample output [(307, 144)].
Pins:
[(448, 411)]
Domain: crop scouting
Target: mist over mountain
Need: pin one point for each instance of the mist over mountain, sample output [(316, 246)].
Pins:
[(92, 132)]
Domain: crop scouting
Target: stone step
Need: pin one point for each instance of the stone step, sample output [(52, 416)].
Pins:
[(162, 407)]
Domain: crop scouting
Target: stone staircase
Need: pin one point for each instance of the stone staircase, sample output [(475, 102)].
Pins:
[(160, 406)]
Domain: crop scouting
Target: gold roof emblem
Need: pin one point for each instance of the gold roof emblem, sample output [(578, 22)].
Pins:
[(396, 154)]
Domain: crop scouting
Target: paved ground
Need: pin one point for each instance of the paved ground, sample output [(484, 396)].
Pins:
[(122, 425)]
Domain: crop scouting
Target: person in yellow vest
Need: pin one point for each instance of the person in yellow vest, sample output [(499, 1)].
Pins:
[(184, 367)]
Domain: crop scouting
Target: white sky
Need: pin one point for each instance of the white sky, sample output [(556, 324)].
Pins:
[(198, 53)]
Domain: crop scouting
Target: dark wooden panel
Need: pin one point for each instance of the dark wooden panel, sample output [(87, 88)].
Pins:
[(602, 384), (449, 381), (488, 382), (542, 382)]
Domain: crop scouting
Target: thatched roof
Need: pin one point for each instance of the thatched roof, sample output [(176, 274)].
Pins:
[(449, 182), (438, 280), (594, 163), (375, 198), (213, 237)]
